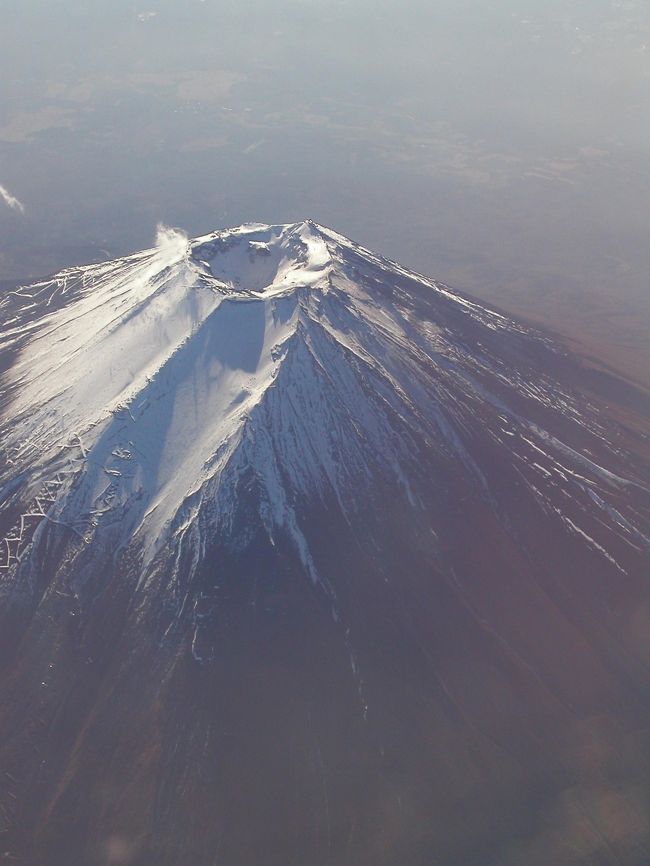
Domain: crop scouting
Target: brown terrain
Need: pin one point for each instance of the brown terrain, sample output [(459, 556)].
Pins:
[(467, 682)]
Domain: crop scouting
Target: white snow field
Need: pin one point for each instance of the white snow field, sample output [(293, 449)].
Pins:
[(141, 388)]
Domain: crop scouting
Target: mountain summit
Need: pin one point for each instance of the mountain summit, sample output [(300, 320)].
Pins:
[(309, 559)]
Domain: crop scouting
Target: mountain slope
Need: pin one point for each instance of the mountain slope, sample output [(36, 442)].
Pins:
[(308, 559)]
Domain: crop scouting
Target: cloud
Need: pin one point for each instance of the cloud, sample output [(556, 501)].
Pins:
[(171, 241), (11, 200)]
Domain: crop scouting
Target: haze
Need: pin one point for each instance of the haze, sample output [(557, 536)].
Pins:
[(499, 146)]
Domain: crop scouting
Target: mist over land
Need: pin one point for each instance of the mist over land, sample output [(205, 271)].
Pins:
[(500, 146)]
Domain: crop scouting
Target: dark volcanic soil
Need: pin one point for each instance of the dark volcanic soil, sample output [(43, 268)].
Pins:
[(467, 682)]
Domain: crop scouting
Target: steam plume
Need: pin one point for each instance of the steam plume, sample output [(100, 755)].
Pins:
[(170, 240)]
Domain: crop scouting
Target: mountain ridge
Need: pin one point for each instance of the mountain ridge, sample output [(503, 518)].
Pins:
[(296, 540)]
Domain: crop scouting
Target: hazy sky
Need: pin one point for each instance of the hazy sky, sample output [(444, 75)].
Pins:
[(500, 145)]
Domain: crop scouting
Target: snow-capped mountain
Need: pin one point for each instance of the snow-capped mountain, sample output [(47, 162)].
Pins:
[(285, 515)]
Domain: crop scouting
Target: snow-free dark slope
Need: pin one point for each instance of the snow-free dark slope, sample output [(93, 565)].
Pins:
[(306, 559)]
